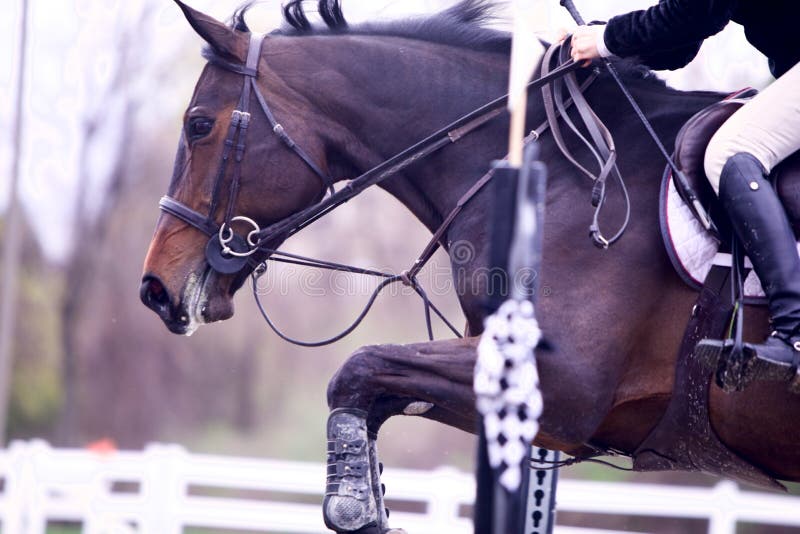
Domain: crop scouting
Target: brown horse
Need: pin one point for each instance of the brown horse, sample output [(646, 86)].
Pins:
[(353, 96)]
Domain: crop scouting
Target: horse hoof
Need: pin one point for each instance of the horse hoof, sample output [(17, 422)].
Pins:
[(349, 504)]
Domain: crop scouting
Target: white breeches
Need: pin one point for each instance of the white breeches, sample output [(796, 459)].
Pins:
[(768, 127)]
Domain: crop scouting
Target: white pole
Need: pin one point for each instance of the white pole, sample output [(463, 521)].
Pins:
[(12, 242)]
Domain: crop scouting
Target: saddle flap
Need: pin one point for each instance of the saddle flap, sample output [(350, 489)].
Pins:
[(693, 138)]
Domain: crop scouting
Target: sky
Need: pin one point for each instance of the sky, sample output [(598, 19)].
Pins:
[(70, 62)]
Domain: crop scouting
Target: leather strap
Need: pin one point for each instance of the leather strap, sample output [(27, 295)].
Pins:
[(188, 215), (602, 145), (392, 166), (438, 236), (254, 52), (236, 68), (235, 142), (279, 130)]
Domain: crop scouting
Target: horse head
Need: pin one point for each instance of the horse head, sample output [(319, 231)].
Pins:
[(220, 184)]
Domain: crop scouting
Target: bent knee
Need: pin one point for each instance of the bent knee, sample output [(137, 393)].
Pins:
[(718, 152), (723, 148), (350, 385)]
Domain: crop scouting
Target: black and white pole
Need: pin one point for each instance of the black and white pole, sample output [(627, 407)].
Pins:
[(506, 379), (540, 517)]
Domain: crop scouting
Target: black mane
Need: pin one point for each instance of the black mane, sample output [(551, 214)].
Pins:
[(463, 25), (237, 19)]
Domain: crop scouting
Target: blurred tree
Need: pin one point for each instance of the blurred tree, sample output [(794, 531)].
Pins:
[(124, 376), (111, 117), (35, 393), (11, 247)]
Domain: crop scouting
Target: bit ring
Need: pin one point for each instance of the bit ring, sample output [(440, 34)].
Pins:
[(226, 235)]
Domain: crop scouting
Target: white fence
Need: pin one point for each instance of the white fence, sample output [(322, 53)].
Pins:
[(164, 490)]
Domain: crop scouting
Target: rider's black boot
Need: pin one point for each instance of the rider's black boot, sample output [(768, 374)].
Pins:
[(760, 223)]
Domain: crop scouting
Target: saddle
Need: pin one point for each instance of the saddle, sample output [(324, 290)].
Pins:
[(690, 148), (692, 249)]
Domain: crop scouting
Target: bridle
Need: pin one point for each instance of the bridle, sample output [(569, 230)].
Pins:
[(228, 253)]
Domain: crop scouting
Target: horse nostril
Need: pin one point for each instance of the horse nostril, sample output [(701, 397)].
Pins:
[(153, 293)]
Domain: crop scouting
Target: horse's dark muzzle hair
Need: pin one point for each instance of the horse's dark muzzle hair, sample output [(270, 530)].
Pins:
[(155, 296)]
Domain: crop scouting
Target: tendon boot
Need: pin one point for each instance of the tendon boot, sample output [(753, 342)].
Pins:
[(350, 504), (378, 489), (759, 221)]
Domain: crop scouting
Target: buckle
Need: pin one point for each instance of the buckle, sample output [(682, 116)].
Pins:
[(357, 490), (342, 446), (245, 120), (351, 469), (240, 118)]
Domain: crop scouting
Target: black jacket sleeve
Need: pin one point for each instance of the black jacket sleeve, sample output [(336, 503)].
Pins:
[(667, 35), (670, 59)]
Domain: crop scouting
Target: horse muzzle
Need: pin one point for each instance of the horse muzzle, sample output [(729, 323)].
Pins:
[(155, 296), (194, 307)]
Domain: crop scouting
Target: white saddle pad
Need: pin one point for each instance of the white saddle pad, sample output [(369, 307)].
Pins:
[(691, 249)]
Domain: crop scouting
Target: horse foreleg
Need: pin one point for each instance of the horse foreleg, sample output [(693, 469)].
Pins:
[(433, 380)]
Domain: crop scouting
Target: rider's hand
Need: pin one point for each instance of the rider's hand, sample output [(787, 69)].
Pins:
[(586, 43)]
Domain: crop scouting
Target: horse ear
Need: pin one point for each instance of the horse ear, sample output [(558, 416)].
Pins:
[(224, 40)]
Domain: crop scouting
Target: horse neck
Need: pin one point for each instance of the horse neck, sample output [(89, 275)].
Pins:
[(386, 94), (373, 96)]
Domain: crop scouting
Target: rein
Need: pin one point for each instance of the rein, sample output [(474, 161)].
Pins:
[(601, 146), (229, 253), (451, 133)]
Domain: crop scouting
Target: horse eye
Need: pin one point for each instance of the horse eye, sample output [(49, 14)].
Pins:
[(199, 127)]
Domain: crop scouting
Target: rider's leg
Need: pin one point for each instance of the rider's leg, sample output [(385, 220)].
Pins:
[(758, 218), (767, 127), (756, 138)]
